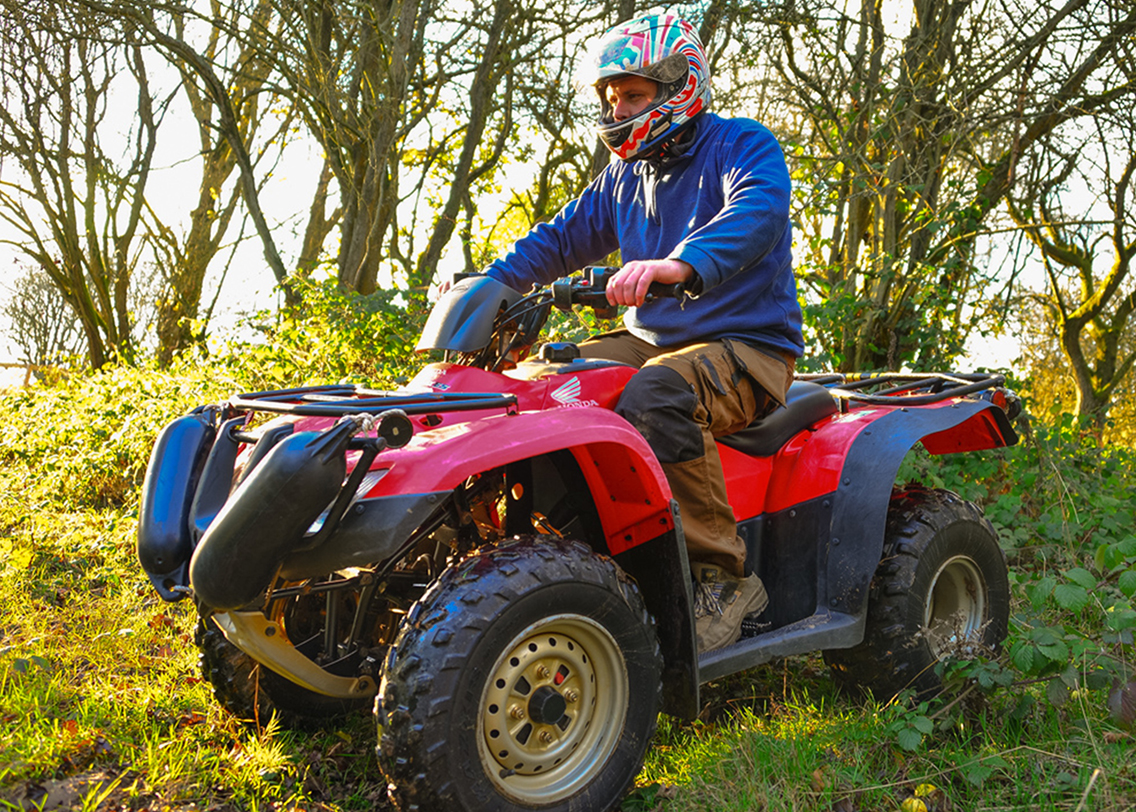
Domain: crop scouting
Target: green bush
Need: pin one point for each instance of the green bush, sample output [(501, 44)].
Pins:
[(334, 336), (84, 438)]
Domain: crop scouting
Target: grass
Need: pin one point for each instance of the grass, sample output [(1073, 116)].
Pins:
[(792, 742), (102, 705)]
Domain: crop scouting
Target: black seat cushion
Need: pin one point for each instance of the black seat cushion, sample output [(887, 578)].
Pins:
[(806, 404)]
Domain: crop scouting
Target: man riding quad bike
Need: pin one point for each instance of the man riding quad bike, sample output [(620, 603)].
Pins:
[(492, 557), (499, 556), (699, 201)]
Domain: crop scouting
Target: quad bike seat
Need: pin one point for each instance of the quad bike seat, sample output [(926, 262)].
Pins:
[(806, 403)]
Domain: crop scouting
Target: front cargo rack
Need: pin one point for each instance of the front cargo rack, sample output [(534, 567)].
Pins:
[(906, 389), (337, 400)]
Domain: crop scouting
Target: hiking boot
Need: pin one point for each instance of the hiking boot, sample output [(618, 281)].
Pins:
[(721, 603)]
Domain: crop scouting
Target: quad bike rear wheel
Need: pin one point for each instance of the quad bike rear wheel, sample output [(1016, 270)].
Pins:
[(941, 590), (527, 678)]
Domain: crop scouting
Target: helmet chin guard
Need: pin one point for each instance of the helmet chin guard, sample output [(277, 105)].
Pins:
[(666, 50)]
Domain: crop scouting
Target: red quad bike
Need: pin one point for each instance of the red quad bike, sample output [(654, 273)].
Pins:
[(491, 556)]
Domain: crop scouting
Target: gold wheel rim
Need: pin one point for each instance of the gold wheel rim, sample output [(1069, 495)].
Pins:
[(955, 613), (553, 709)]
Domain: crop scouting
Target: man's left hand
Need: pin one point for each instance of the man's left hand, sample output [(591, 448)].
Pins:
[(629, 286)]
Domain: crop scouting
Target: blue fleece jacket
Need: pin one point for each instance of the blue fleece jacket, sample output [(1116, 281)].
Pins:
[(723, 207)]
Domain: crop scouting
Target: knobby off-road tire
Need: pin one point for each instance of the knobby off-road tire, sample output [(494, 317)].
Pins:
[(941, 589), (254, 693), (526, 678)]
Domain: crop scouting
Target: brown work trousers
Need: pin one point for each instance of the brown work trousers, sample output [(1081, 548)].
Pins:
[(733, 384)]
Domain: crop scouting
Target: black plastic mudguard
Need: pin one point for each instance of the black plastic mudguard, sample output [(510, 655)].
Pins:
[(267, 516), (164, 540), (662, 571), (372, 531), (860, 503)]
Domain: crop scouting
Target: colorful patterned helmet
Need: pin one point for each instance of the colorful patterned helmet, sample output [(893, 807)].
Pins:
[(665, 49)]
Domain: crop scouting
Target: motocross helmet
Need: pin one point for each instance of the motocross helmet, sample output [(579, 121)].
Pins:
[(665, 49)]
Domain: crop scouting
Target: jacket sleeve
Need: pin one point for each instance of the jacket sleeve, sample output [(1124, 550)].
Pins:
[(581, 234), (754, 216)]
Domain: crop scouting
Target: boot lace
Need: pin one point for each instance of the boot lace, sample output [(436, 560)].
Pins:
[(707, 598)]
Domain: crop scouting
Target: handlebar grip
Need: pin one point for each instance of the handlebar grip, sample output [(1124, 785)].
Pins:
[(658, 290)]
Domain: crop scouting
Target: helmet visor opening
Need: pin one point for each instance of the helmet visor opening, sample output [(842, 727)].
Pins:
[(607, 110)]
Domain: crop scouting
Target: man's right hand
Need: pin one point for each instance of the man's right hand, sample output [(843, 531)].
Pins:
[(629, 286)]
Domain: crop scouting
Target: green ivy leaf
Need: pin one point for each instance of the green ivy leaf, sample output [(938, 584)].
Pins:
[(977, 773), (1120, 618), (909, 738), (1023, 658), (1055, 652), (1040, 590), (923, 724), (1071, 677), (1127, 582)]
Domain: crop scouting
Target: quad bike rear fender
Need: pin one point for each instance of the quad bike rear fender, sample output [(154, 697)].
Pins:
[(821, 533)]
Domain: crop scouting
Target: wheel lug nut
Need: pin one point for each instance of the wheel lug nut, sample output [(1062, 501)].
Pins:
[(571, 696), (546, 737), (517, 712), (543, 672)]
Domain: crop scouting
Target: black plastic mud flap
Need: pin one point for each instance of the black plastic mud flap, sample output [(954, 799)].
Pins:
[(164, 541), (267, 516), (662, 570)]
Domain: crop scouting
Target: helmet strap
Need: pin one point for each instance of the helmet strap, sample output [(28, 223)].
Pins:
[(669, 152)]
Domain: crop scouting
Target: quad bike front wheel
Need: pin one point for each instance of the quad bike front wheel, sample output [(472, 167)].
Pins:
[(941, 590), (527, 678), (255, 692), (252, 692)]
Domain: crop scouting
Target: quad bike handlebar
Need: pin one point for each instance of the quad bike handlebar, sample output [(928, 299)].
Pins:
[(590, 290), (483, 323)]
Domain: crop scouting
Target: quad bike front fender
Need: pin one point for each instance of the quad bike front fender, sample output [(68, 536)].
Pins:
[(641, 523), (626, 482)]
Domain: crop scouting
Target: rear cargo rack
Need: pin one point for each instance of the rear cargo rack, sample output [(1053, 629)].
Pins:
[(337, 400), (904, 389)]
